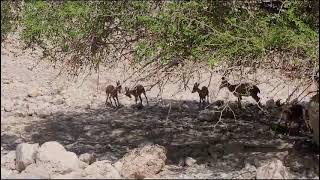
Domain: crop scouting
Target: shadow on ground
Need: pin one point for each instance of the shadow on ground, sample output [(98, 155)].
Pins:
[(110, 133)]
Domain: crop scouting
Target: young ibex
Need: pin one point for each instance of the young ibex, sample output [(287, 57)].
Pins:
[(112, 92), (203, 92), (294, 113), (136, 92), (243, 89)]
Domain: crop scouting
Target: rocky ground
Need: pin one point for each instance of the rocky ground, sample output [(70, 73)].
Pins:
[(37, 106)]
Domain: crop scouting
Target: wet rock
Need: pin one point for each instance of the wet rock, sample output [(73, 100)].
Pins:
[(142, 162), (25, 155), (273, 170)]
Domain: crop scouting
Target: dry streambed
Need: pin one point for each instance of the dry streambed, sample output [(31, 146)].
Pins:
[(38, 107)]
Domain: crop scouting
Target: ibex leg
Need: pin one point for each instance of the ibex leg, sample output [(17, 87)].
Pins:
[(140, 99), (118, 100), (144, 93), (239, 101), (110, 100), (107, 99), (115, 101)]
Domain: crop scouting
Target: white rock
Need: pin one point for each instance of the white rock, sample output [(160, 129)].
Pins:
[(87, 158), (190, 161), (248, 172), (38, 170), (273, 170), (142, 162), (101, 169), (59, 101), (73, 175), (5, 173), (25, 155), (8, 160), (24, 176), (53, 156), (34, 93)]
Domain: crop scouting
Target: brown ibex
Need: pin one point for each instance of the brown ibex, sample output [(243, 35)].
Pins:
[(242, 89), (112, 92), (203, 92), (136, 92), (294, 113)]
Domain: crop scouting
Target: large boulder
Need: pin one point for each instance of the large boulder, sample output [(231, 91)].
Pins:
[(55, 158), (142, 162), (25, 155), (313, 110), (274, 169), (101, 169)]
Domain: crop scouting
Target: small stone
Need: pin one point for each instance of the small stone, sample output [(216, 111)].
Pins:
[(34, 93), (190, 161), (87, 158)]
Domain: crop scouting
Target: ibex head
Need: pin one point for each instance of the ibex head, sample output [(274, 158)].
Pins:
[(224, 83), (195, 87), (119, 87), (127, 93)]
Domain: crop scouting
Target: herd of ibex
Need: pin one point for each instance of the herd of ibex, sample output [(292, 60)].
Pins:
[(292, 114), (239, 90)]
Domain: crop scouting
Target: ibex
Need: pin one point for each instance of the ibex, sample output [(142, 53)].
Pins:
[(242, 89), (136, 92), (112, 92), (294, 113), (203, 92)]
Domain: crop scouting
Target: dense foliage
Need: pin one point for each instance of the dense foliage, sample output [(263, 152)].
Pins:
[(91, 32)]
